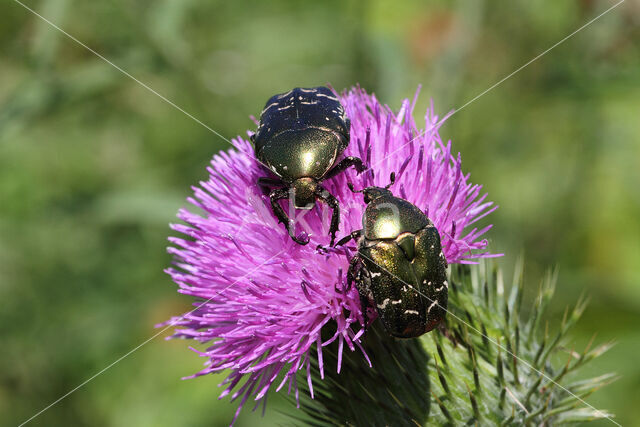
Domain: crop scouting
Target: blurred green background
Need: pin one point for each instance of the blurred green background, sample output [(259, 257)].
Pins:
[(93, 167)]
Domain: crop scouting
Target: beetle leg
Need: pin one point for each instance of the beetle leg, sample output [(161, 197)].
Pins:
[(283, 194), (266, 183), (354, 267), (344, 164), (359, 275), (329, 199), (364, 306), (354, 274), (354, 235)]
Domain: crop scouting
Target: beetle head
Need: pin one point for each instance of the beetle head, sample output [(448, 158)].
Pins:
[(304, 191), (372, 193)]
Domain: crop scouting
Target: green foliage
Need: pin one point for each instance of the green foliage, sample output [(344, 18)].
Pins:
[(393, 391), (496, 366), (488, 364)]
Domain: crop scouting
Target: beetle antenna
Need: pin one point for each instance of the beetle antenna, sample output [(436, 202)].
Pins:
[(350, 185), (392, 180)]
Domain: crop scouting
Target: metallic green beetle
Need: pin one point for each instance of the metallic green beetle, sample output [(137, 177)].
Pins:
[(400, 266), (301, 135)]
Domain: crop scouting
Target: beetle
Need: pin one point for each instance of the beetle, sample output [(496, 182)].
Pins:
[(400, 265), (300, 137)]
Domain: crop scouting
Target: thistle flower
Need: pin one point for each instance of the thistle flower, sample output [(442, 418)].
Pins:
[(266, 306)]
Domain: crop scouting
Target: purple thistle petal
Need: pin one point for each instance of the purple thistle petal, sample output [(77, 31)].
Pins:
[(340, 347), (320, 361), (262, 300), (309, 381)]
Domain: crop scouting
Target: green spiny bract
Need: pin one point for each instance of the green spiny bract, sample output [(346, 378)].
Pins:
[(492, 366), (486, 365), (393, 391)]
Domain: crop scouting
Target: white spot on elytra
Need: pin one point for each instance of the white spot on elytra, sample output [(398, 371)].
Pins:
[(269, 106), (384, 304), (376, 274), (411, 312), (396, 302), (327, 96), (432, 305)]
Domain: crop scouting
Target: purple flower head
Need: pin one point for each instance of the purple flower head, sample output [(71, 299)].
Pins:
[(262, 299)]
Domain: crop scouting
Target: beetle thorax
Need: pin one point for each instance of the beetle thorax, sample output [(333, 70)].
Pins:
[(304, 190), (386, 217), (373, 193)]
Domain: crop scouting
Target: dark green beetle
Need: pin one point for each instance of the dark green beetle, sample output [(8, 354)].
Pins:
[(301, 135), (400, 266)]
